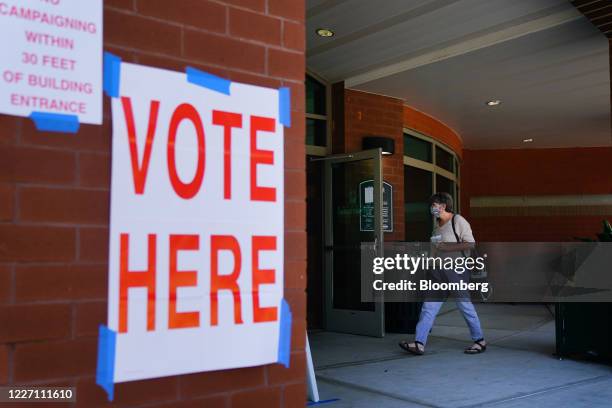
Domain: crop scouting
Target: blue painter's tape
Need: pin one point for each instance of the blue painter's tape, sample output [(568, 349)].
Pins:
[(112, 71), (284, 336), (284, 106), (206, 80), (310, 404), (55, 122), (105, 373)]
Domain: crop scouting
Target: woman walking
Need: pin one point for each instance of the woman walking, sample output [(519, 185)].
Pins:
[(451, 236)]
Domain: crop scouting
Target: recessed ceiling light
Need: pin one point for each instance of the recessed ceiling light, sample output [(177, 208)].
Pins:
[(493, 102), (325, 32), (527, 140)]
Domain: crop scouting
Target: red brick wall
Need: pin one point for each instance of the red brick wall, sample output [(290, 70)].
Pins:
[(54, 209), (367, 114), (433, 128), (528, 172)]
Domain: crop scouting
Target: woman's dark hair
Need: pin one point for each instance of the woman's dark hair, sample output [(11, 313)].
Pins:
[(442, 198)]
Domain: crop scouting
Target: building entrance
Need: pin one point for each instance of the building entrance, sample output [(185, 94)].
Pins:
[(353, 220)]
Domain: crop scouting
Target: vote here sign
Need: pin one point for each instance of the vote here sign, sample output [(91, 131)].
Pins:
[(51, 60), (196, 231)]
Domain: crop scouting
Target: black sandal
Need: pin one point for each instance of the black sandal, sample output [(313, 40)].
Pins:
[(413, 349), (476, 350)]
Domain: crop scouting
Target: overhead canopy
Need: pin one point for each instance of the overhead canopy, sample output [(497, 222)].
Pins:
[(545, 62)]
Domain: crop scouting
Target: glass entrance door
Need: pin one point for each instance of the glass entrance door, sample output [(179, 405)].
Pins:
[(353, 218)]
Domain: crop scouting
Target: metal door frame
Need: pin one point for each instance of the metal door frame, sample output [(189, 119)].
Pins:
[(346, 320)]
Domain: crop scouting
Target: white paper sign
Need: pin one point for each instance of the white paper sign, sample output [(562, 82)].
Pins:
[(196, 231), (51, 58)]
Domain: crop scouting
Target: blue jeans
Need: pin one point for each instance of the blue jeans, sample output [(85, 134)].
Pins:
[(430, 310)]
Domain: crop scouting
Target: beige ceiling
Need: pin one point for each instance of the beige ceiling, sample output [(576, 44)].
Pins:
[(546, 63)]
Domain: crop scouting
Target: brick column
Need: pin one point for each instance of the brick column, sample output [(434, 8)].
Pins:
[(54, 208)]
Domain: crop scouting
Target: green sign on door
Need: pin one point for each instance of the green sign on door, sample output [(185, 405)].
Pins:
[(366, 206)]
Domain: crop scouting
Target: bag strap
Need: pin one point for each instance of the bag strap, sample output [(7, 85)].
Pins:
[(454, 230)]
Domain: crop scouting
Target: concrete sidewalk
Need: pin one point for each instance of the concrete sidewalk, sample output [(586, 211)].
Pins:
[(517, 370)]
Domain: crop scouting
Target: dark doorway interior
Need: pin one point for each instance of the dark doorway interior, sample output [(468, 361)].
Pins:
[(314, 229), (417, 190)]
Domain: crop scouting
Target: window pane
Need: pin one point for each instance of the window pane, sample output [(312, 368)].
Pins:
[(457, 196), (315, 96), (444, 159), (316, 132), (444, 185), (417, 190), (417, 148)]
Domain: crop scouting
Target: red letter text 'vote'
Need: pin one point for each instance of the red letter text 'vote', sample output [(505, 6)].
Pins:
[(228, 120), (190, 189), (261, 157), (139, 171)]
